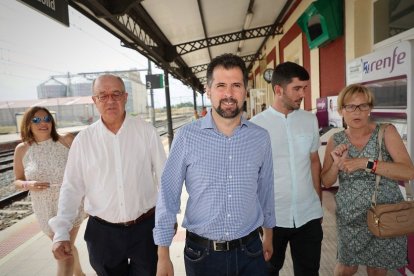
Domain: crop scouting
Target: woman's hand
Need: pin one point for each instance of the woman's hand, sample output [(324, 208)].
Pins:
[(349, 165), (35, 185), (339, 155)]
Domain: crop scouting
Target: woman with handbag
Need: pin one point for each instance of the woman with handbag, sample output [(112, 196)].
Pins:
[(352, 155)]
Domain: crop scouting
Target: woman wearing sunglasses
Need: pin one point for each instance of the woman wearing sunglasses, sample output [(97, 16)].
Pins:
[(39, 165)]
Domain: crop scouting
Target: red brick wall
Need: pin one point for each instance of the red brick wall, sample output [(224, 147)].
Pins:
[(290, 35), (332, 67), (331, 64)]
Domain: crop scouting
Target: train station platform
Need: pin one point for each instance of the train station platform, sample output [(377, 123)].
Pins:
[(26, 251), (7, 138)]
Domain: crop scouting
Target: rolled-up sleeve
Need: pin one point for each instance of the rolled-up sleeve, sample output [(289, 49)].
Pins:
[(266, 186)]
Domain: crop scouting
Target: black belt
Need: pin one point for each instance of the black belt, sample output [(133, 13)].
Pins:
[(221, 245), (128, 223)]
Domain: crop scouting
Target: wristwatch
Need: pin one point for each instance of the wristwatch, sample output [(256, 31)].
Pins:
[(370, 165)]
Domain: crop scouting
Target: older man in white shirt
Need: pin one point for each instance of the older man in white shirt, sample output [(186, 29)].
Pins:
[(115, 165)]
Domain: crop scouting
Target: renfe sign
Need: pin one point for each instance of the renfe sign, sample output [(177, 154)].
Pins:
[(56, 9), (389, 62)]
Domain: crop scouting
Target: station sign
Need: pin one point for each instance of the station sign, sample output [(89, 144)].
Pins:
[(154, 81), (55, 9), (392, 61)]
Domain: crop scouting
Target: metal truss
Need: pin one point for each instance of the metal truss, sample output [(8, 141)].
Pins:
[(129, 21), (136, 30), (192, 46), (200, 68)]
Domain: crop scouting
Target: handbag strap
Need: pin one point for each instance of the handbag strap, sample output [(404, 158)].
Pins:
[(408, 189), (377, 176)]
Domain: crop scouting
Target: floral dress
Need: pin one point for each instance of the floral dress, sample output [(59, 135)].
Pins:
[(46, 161), (356, 244)]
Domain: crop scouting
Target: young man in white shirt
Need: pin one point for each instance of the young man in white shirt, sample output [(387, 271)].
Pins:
[(295, 141)]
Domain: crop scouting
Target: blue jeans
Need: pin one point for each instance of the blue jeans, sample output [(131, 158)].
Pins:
[(245, 260)]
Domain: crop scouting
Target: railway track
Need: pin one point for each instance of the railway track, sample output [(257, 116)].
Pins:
[(14, 204), (6, 161)]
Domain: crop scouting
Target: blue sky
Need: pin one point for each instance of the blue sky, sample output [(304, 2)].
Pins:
[(34, 47)]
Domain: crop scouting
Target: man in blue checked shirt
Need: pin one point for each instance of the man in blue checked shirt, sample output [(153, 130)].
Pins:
[(226, 164)]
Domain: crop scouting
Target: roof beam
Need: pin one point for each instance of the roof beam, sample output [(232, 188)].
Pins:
[(203, 22), (138, 31), (112, 8), (277, 25)]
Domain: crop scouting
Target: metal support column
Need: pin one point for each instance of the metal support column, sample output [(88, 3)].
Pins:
[(168, 105), (152, 110), (195, 100)]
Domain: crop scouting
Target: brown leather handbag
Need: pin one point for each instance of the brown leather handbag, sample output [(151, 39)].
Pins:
[(390, 220)]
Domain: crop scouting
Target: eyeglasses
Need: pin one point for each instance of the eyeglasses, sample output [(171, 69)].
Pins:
[(46, 119), (353, 107), (116, 96)]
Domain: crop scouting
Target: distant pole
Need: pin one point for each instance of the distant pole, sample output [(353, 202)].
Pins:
[(152, 110), (168, 104), (68, 88), (202, 100)]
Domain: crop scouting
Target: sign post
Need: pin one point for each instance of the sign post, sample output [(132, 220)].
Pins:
[(153, 82)]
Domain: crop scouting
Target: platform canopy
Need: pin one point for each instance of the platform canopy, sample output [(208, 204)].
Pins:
[(182, 36)]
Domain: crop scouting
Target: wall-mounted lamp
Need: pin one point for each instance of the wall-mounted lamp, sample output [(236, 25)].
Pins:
[(248, 20)]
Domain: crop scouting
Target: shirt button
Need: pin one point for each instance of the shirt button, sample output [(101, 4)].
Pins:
[(227, 233), (228, 215), (230, 176), (229, 196), (230, 157)]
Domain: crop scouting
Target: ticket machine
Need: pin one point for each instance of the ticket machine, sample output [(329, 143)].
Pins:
[(389, 73)]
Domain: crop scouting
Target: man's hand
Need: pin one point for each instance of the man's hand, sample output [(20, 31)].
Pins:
[(267, 243), (62, 250), (164, 265)]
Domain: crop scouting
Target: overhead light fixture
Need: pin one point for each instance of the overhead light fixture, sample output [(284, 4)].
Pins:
[(174, 65), (238, 52), (248, 20), (241, 44)]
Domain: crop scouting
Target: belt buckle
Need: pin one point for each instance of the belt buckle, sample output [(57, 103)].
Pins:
[(221, 246), (128, 223)]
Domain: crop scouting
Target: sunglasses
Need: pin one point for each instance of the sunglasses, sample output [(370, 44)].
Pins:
[(46, 119)]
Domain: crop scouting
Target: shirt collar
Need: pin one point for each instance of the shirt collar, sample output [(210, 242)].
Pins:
[(277, 113), (120, 129), (207, 122)]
